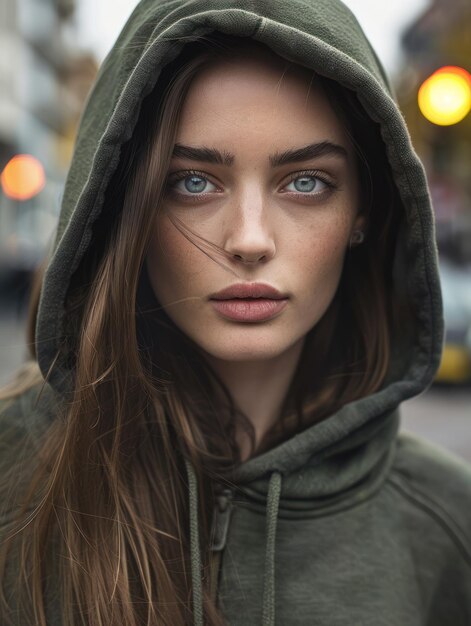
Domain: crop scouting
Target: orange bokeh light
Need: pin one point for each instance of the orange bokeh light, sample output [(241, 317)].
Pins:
[(444, 98), (23, 177)]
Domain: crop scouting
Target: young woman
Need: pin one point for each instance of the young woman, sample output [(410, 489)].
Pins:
[(242, 291)]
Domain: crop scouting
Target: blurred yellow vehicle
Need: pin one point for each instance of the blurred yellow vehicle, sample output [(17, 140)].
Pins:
[(455, 366)]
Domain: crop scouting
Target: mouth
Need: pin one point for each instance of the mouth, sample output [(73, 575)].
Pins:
[(249, 302)]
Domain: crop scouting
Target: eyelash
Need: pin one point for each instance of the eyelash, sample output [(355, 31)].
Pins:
[(175, 178)]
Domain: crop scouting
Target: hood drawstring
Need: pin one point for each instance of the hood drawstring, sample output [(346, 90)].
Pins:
[(195, 546), (273, 501)]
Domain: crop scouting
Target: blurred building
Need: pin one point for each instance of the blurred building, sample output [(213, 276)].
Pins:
[(441, 36), (44, 80)]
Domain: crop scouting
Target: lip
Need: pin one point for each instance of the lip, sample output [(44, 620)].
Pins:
[(249, 309), (249, 290), (249, 302)]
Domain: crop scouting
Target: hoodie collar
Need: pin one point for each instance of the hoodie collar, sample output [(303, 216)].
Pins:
[(327, 464)]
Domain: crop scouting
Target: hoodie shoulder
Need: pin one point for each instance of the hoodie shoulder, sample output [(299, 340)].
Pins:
[(22, 421), (24, 414), (438, 482)]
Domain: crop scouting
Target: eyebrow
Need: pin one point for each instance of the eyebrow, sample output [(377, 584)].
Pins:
[(208, 155), (311, 151)]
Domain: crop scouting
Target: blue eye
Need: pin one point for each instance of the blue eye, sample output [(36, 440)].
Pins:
[(307, 184), (193, 184)]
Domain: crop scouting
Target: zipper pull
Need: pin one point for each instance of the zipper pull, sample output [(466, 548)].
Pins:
[(221, 518)]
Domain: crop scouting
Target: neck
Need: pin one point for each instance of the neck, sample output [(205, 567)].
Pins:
[(258, 389)]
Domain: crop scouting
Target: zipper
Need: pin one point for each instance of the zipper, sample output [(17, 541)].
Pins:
[(220, 524), (221, 517)]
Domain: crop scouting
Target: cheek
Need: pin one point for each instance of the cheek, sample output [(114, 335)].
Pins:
[(321, 252), (170, 260), (326, 239)]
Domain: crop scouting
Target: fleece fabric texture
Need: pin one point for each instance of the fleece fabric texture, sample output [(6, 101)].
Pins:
[(348, 523)]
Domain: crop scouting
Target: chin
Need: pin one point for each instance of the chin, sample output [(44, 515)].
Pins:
[(246, 349)]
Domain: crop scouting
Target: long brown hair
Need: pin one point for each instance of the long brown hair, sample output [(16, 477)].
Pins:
[(106, 507)]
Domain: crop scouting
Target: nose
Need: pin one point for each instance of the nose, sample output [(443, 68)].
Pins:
[(249, 237)]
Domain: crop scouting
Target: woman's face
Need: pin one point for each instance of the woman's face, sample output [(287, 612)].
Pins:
[(264, 169)]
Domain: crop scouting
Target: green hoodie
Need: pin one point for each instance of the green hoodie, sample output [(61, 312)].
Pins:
[(348, 522)]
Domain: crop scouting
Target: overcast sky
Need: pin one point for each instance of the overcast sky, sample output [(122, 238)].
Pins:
[(100, 22)]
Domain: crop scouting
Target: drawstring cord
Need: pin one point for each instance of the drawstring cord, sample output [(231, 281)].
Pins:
[(274, 491), (273, 501), (195, 546)]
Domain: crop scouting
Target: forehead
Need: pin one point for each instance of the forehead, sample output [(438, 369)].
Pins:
[(258, 97)]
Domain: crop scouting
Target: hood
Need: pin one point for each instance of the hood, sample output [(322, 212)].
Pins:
[(320, 34), (334, 461)]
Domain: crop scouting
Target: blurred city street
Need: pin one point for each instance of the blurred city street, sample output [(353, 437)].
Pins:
[(441, 415)]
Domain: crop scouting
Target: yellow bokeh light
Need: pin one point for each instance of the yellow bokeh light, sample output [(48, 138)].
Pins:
[(23, 177), (445, 97)]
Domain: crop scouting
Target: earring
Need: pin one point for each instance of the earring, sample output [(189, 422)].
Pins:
[(358, 237)]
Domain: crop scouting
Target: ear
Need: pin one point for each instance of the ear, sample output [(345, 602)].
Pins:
[(360, 223), (358, 232)]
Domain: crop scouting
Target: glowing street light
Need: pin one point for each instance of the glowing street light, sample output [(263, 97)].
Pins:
[(445, 96), (23, 177)]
